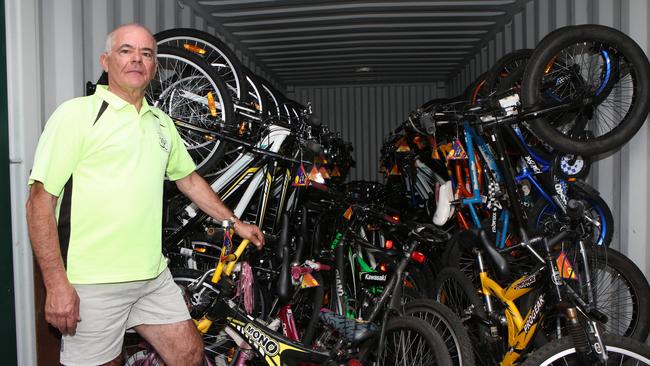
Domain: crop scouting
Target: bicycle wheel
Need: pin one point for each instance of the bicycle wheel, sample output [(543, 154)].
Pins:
[(619, 289), (601, 70), (621, 351), (506, 71), (447, 324), (546, 220), (190, 92), (216, 53), (407, 341), (453, 289)]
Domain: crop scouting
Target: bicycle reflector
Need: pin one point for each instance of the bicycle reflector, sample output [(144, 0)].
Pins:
[(388, 244), (194, 48), (348, 213), (212, 105), (565, 268), (418, 257)]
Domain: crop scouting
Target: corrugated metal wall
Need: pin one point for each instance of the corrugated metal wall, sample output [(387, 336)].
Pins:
[(622, 178), (364, 115)]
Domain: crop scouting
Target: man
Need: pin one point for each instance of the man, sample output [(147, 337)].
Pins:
[(94, 214)]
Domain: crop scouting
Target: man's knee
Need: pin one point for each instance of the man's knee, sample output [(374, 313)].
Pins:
[(195, 351), (116, 362)]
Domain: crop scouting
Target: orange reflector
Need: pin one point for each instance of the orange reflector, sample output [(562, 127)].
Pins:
[(395, 170), (212, 105), (348, 213), (402, 146), (308, 281), (395, 217), (383, 267), (419, 142), (418, 257), (200, 250), (242, 128), (323, 171), (388, 244), (549, 65), (565, 267), (335, 172), (194, 48)]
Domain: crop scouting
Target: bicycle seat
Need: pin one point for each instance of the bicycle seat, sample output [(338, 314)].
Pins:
[(352, 330), (444, 208)]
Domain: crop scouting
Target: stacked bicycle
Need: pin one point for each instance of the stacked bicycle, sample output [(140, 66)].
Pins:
[(505, 161)]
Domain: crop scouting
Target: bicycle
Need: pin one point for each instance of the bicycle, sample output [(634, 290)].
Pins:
[(549, 282), (246, 335)]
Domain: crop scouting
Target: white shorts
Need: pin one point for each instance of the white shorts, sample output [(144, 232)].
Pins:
[(108, 310)]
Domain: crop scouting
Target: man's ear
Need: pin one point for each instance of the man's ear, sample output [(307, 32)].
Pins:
[(103, 61)]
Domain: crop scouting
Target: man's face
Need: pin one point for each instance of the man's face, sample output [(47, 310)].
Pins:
[(131, 64)]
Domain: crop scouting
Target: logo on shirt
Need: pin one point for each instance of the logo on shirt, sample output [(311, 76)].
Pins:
[(164, 143)]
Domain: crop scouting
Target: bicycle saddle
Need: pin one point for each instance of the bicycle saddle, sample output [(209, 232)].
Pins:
[(351, 330), (444, 208)]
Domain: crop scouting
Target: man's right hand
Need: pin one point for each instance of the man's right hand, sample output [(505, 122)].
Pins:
[(62, 308)]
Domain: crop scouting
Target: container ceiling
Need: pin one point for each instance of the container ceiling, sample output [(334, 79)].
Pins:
[(299, 42)]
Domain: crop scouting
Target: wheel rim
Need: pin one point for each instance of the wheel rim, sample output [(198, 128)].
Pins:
[(589, 71)]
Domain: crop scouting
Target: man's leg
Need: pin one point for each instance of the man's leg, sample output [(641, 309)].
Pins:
[(161, 317), (177, 343), (118, 361)]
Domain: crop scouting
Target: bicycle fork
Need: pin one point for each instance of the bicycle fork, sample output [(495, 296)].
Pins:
[(587, 338)]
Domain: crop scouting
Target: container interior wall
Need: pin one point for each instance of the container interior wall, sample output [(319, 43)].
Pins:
[(365, 114), (622, 177)]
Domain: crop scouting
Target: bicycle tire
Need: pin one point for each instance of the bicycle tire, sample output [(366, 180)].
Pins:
[(502, 71), (595, 207), (543, 82), (431, 349), (216, 53), (622, 291), (448, 325), (564, 350), (181, 83), (453, 289)]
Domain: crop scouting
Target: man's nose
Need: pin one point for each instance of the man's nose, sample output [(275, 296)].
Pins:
[(136, 57)]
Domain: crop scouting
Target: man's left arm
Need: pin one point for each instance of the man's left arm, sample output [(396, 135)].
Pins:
[(199, 191)]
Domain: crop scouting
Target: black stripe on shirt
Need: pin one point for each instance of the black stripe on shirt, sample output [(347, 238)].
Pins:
[(64, 221)]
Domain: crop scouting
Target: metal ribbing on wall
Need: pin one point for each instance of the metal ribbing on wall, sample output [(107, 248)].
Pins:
[(621, 177), (365, 114)]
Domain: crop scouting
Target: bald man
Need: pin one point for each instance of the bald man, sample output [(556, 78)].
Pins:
[(94, 214)]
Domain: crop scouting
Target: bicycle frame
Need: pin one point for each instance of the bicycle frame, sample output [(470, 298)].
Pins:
[(520, 329), (244, 171)]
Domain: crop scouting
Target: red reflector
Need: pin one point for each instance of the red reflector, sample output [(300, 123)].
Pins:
[(389, 244), (383, 267), (418, 257)]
